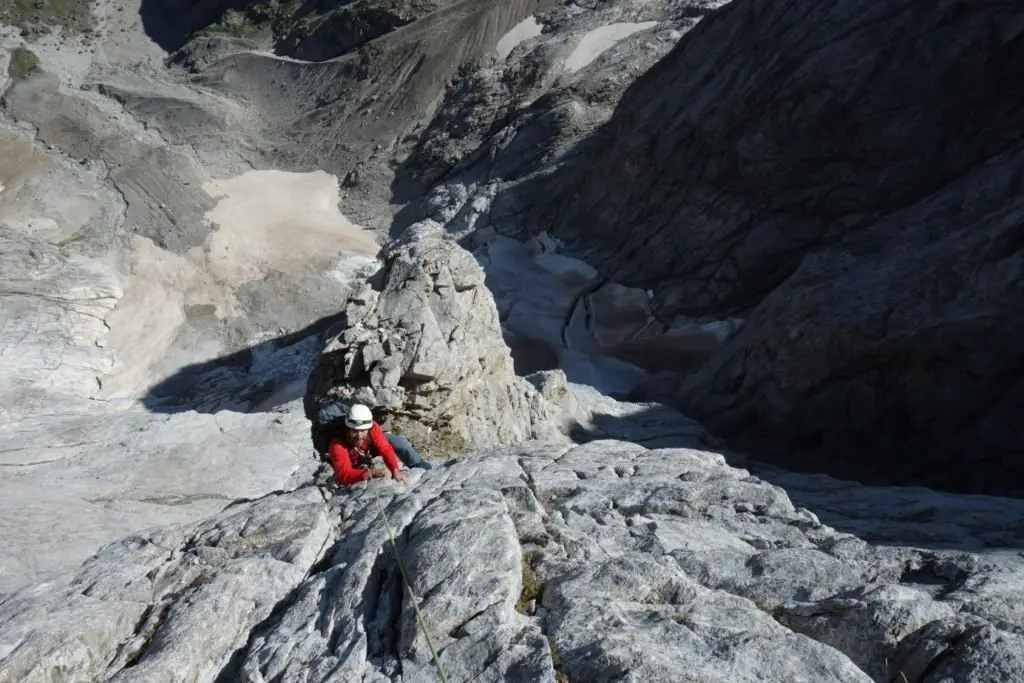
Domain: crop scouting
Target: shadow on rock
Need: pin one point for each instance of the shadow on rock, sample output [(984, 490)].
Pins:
[(171, 24), (259, 378), (889, 515)]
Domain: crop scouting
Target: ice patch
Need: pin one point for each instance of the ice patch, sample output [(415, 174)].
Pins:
[(717, 330), (354, 268), (524, 30), (600, 39), (559, 266)]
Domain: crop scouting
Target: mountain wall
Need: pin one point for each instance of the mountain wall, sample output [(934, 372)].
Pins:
[(841, 178)]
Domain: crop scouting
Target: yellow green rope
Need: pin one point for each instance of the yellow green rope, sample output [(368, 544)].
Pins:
[(408, 588)]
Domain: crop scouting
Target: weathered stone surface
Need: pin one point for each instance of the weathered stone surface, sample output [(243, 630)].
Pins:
[(423, 341), (592, 562), (169, 605), (60, 303), (78, 474)]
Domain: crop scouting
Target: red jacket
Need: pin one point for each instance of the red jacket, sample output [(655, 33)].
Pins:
[(345, 458)]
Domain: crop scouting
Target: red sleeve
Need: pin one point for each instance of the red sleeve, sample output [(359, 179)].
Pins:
[(383, 446), (342, 464)]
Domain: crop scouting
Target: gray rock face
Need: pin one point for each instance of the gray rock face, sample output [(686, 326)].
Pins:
[(540, 562), (890, 354), (883, 354), (137, 610), (422, 340), (777, 167), (724, 200), (78, 474), (63, 301)]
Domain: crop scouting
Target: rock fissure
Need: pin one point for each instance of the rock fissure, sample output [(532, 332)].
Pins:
[(143, 635), (570, 313)]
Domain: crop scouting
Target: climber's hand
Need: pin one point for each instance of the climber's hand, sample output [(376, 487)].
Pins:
[(400, 477)]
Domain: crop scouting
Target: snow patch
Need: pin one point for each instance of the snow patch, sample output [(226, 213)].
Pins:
[(600, 39), (524, 30), (354, 268), (279, 220), (266, 221), (274, 56)]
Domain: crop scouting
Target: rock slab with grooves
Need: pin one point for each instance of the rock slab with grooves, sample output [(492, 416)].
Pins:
[(540, 562)]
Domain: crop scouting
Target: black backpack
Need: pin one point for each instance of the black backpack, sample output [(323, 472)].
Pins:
[(328, 422)]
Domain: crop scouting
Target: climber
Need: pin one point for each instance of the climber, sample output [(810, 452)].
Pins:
[(351, 452), (328, 421)]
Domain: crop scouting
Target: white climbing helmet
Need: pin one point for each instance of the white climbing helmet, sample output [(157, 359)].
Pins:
[(359, 417)]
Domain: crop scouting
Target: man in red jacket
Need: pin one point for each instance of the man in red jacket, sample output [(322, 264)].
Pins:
[(351, 454)]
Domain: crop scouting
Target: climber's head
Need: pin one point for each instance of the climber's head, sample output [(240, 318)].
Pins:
[(358, 422)]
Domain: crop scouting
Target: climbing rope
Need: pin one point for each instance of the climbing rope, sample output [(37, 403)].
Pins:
[(412, 596)]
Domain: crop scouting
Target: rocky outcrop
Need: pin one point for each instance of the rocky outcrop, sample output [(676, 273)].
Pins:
[(542, 562), (422, 341)]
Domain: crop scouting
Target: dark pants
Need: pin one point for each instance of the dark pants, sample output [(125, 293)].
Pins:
[(406, 453)]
